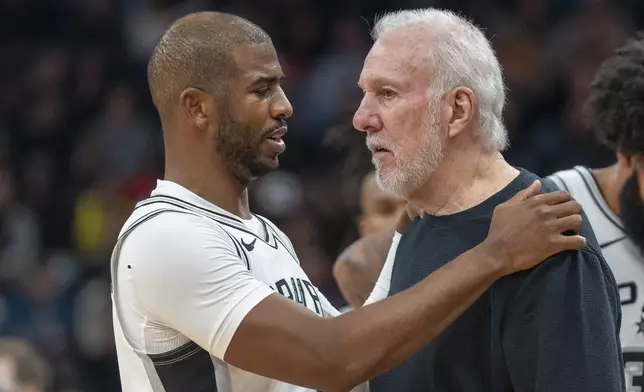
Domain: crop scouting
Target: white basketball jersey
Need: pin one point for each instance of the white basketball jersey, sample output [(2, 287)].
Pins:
[(185, 273), (624, 259)]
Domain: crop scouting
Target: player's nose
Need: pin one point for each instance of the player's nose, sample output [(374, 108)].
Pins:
[(365, 119), (281, 107)]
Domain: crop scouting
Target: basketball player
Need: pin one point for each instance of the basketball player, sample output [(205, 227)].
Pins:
[(380, 212), (209, 297), (432, 113), (613, 196)]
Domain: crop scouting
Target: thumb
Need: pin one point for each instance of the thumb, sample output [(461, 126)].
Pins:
[(527, 193)]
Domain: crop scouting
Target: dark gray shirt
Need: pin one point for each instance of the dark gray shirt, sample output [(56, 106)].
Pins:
[(554, 328)]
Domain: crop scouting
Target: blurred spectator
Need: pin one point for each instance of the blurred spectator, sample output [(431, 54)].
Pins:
[(145, 25), (98, 216), (22, 369), (118, 143), (19, 232)]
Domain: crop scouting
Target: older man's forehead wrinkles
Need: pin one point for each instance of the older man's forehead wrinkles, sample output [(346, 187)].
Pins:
[(389, 73), (389, 80)]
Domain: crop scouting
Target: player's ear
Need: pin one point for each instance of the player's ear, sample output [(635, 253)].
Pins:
[(462, 103), (198, 107)]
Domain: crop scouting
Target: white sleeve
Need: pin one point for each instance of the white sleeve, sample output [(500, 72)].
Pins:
[(557, 180), (381, 289), (187, 276), (361, 388)]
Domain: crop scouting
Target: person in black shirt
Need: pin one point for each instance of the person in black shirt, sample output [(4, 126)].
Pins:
[(432, 113)]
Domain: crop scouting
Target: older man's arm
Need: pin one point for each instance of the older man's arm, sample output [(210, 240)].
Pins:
[(561, 327)]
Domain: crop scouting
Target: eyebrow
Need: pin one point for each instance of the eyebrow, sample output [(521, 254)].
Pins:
[(379, 82), (268, 79)]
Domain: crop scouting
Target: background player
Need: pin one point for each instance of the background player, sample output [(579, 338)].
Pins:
[(380, 212), (612, 197), (195, 274)]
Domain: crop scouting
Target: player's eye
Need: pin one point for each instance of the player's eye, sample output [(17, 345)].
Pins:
[(263, 92), (387, 93)]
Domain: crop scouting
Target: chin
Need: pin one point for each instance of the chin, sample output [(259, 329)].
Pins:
[(263, 166), (392, 181)]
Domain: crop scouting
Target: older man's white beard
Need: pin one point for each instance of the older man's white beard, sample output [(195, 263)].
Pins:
[(411, 173)]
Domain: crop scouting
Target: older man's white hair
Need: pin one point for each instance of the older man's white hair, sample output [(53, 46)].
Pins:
[(460, 56)]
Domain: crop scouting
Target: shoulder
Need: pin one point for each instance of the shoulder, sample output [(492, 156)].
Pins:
[(577, 181), (580, 262), (582, 274), (173, 235), (574, 262)]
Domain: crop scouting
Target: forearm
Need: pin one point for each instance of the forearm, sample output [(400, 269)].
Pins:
[(282, 340), (358, 267), (377, 337), (368, 250)]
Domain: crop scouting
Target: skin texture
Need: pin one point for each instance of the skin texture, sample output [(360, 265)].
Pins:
[(332, 354)]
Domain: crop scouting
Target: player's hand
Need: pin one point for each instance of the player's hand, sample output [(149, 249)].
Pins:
[(528, 228)]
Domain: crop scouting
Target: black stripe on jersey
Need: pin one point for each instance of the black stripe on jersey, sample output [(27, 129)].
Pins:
[(221, 222), (612, 242), (596, 200), (188, 367), (145, 218), (277, 237), (161, 197), (265, 226), (240, 250)]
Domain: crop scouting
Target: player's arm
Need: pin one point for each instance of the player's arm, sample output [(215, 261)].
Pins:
[(358, 266), (562, 327), (282, 340)]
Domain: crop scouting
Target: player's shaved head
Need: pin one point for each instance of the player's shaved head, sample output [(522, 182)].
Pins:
[(197, 51)]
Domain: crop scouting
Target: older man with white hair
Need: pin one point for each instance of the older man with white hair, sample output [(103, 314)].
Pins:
[(432, 113)]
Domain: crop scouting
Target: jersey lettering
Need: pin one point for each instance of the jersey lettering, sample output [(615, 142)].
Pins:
[(634, 370), (627, 293), (293, 289)]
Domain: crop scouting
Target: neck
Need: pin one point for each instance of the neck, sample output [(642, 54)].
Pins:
[(212, 181), (464, 179), (610, 182)]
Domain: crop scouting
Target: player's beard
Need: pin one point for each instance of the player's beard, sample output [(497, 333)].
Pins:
[(413, 170), (632, 210), (239, 145)]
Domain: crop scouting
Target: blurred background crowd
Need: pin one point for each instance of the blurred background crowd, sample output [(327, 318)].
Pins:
[(80, 142)]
